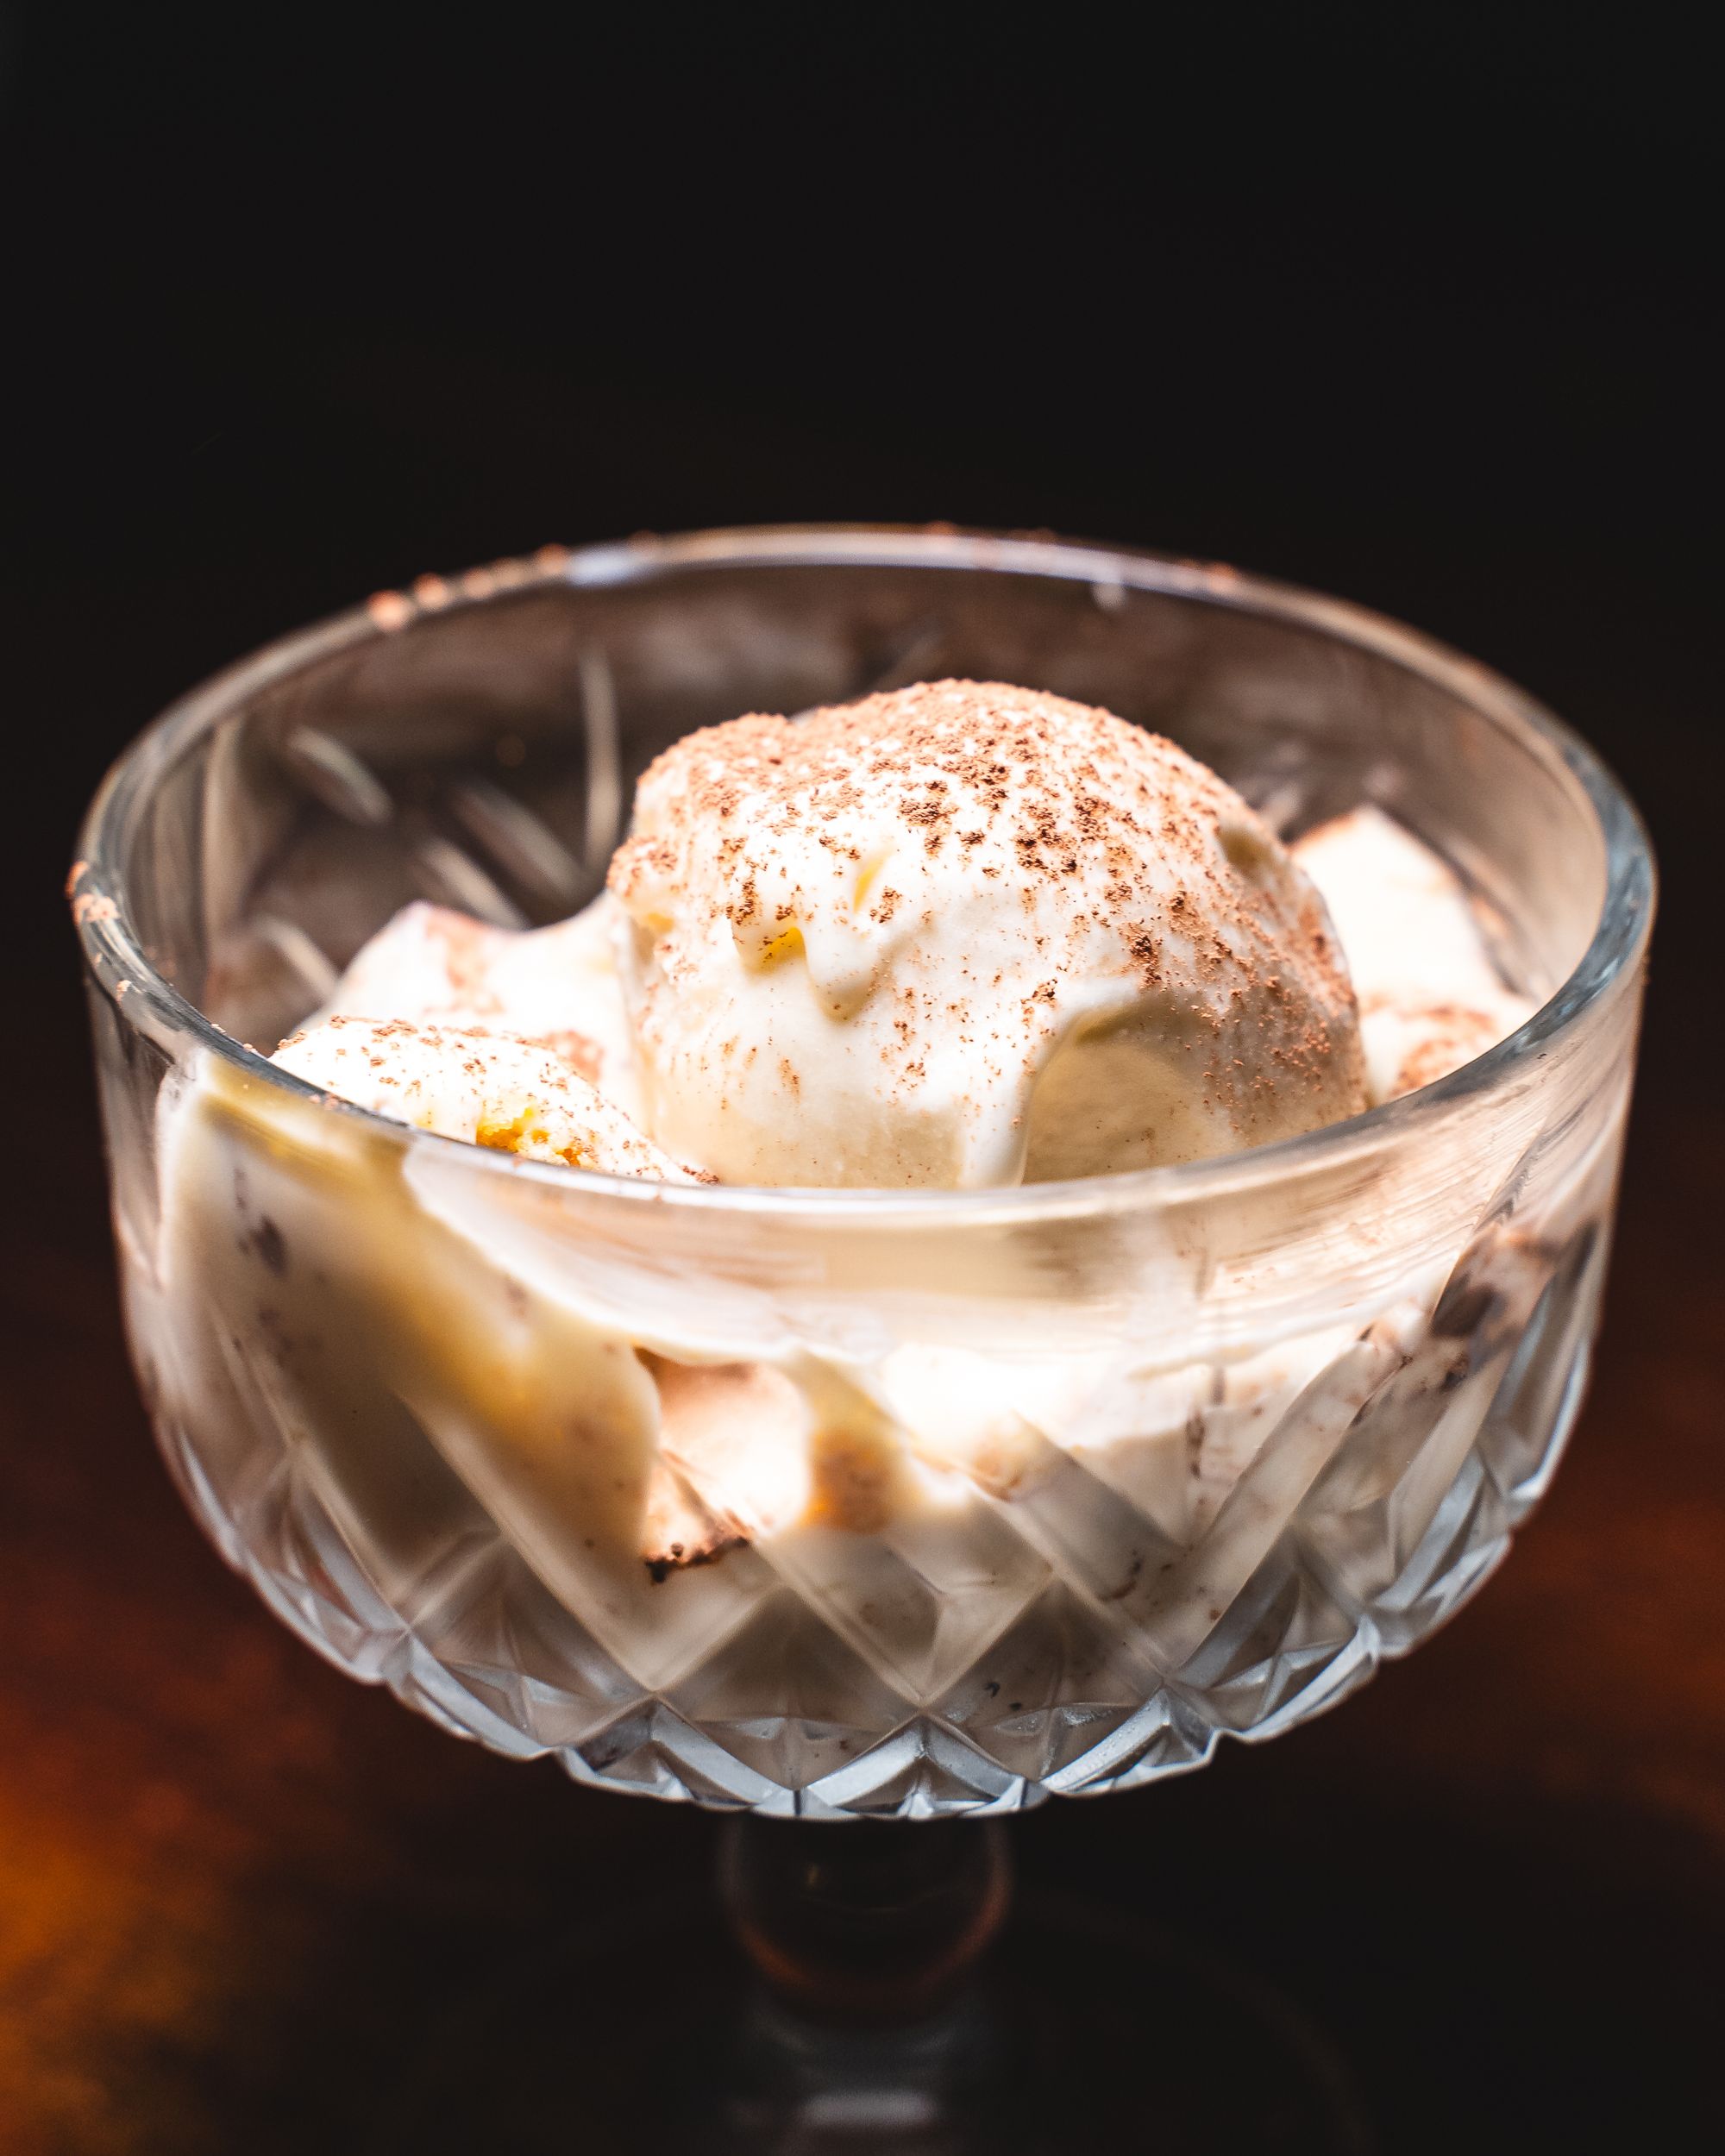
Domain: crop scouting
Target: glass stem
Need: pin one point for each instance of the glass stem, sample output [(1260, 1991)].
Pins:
[(864, 1925)]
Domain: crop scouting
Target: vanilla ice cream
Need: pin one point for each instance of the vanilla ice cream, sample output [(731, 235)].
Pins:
[(963, 934), (954, 936), (516, 1096), (1417, 951), (556, 987)]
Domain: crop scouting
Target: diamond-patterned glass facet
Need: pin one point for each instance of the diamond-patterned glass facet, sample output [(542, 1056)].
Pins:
[(1052, 1665)]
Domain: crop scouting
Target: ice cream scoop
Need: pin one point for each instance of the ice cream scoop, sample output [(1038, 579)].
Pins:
[(964, 934), (556, 987), (1430, 997), (515, 1096)]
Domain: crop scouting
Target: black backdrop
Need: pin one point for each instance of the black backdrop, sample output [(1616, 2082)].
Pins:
[(1417, 303)]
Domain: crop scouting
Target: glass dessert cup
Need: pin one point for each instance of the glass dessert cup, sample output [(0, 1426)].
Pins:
[(1193, 1449)]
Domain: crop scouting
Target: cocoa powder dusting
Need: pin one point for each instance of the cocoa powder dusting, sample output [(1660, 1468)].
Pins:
[(1131, 860)]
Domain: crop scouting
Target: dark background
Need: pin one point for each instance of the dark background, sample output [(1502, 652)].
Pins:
[(1417, 304)]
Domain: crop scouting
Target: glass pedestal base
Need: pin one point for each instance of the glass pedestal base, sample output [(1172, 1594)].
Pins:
[(1079, 2029)]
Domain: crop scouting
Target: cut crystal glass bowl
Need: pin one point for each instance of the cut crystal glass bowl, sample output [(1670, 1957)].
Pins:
[(1195, 1448)]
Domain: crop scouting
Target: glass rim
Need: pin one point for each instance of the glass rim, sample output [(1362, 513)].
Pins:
[(147, 1001)]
